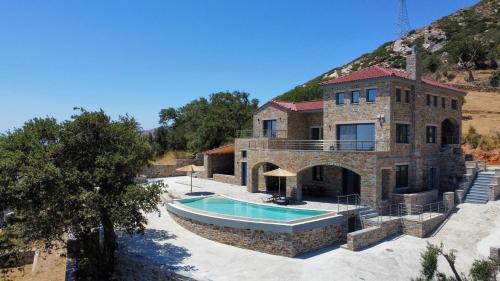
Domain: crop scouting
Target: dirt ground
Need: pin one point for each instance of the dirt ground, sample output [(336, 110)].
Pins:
[(484, 108), (51, 267)]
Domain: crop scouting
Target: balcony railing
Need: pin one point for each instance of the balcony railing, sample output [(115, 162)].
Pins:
[(318, 145), (249, 134)]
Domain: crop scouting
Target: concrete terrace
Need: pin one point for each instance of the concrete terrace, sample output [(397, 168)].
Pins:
[(471, 230)]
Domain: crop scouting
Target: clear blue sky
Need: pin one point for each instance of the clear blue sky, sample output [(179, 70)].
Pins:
[(137, 57)]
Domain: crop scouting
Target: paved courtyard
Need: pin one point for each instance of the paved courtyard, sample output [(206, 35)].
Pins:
[(471, 230)]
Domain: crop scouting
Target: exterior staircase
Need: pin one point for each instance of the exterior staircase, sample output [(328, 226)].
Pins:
[(365, 214), (479, 193)]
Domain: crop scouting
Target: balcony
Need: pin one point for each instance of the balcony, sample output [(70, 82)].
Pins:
[(250, 134), (318, 145)]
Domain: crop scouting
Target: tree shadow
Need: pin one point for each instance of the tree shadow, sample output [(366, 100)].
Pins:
[(153, 247)]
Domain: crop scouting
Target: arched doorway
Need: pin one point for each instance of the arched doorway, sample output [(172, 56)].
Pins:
[(326, 182), (449, 132), (265, 184)]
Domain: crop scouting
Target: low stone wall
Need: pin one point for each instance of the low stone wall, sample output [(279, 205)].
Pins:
[(133, 268), (495, 252), (495, 189), (168, 170), (366, 237), (282, 244), (419, 198), (225, 178), (422, 228)]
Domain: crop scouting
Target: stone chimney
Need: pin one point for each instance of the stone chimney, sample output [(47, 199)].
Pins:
[(413, 66)]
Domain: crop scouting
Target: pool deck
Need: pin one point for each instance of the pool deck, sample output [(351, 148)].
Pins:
[(179, 187), (471, 230)]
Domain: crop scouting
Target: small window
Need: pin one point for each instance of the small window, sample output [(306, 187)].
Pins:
[(435, 101), (402, 133), (318, 173), (398, 95), (371, 95), (243, 154), (429, 100), (443, 102), (355, 96), (431, 134), (339, 97), (401, 176), (407, 96), (454, 104)]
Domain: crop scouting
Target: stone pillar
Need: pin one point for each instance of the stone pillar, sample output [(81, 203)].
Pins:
[(294, 184), (207, 166), (459, 196), (449, 200)]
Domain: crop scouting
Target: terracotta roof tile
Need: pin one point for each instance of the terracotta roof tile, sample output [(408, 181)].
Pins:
[(299, 106)]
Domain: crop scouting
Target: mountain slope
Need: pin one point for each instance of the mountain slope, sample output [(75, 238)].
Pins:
[(466, 40)]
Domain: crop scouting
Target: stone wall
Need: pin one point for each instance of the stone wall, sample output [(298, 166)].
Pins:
[(422, 228), (218, 164), (419, 198), (225, 178), (282, 244), (363, 238), (134, 268), (495, 188), (168, 170)]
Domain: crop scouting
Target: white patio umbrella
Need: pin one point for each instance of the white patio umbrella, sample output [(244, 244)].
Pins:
[(190, 169), (279, 173)]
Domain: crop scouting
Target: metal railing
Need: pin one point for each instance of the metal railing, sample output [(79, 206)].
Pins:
[(422, 212), (318, 145), (344, 201), (249, 134)]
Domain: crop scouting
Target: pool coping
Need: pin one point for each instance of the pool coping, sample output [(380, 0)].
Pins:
[(254, 224)]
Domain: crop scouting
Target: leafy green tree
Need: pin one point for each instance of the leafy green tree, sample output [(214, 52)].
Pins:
[(76, 177)]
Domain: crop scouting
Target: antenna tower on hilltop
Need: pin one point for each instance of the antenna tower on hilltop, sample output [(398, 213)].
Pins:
[(403, 24)]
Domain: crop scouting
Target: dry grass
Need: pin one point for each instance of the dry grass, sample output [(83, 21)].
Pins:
[(171, 156), (51, 267), (484, 108)]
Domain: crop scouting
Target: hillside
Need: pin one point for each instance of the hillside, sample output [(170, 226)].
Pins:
[(462, 49)]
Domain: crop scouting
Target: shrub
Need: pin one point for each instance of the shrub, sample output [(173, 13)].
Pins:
[(495, 79)]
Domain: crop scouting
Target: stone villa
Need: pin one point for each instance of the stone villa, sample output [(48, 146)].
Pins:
[(377, 133)]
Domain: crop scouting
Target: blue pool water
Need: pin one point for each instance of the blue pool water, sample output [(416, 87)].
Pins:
[(231, 207)]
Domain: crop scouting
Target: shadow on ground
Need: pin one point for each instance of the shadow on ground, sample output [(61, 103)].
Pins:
[(153, 246), (200, 193)]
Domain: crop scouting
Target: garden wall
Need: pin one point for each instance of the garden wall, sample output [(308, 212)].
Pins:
[(363, 238)]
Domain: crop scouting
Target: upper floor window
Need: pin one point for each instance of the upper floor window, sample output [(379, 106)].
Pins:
[(371, 95), (429, 100), (269, 128), (443, 102), (407, 96), (431, 134), (402, 133), (398, 95), (401, 176), (243, 154), (339, 98), (435, 101), (355, 96), (454, 104)]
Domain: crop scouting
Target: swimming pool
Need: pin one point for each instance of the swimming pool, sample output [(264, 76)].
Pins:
[(231, 207)]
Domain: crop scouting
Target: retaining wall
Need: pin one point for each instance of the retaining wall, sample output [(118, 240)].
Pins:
[(168, 170), (276, 243), (363, 238), (224, 178), (422, 228), (419, 198)]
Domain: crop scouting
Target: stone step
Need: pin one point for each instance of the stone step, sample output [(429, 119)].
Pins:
[(475, 197), (475, 201)]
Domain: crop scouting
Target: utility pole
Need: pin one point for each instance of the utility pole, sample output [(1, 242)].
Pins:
[(403, 24)]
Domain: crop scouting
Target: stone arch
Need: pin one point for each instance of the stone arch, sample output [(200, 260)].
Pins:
[(257, 180), (450, 132)]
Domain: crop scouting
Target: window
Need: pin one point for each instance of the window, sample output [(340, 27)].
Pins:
[(429, 100), (355, 96), (316, 133), (339, 98), (402, 133), (401, 176), (398, 95), (356, 137), (243, 154), (431, 134), (454, 104), (317, 173), (371, 95), (435, 101), (443, 102), (269, 128), (407, 96)]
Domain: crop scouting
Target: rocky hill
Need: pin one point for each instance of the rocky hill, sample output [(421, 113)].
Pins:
[(462, 49)]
